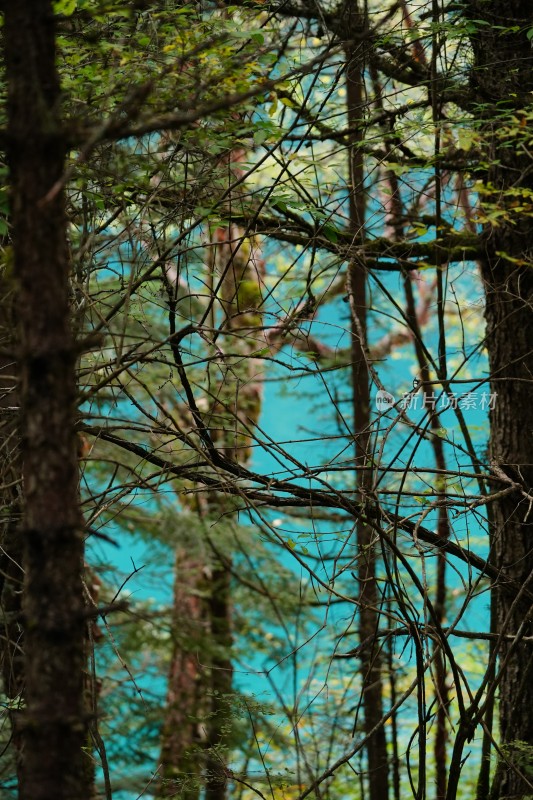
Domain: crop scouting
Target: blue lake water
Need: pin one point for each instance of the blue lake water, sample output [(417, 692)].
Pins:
[(296, 415)]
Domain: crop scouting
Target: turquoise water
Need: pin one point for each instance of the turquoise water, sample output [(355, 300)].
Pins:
[(297, 665)]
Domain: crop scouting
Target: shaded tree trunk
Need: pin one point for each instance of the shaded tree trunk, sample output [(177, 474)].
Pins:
[(369, 599), (220, 617), (502, 78), (53, 727), (509, 292), (11, 567)]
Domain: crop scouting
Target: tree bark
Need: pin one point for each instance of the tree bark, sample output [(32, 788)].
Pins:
[(372, 686), (11, 567), (220, 616), (53, 727), (509, 292), (502, 77)]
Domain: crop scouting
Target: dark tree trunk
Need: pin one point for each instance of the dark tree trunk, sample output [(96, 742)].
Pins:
[(53, 727), (369, 599), (509, 292), (221, 683), (503, 78), (11, 567)]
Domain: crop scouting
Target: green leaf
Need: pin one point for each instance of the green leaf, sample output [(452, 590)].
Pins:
[(330, 233), (287, 102), (65, 8), (260, 137)]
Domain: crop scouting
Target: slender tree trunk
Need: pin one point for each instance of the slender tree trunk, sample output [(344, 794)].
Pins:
[(397, 214), (369, 599), (53, 727), (503, 77), (220, 615)]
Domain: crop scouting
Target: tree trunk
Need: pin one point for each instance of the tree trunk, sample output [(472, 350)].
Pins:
[(372, 686), (11, 567), (509, 292), (198, 708), (53, 727), (502, 78), (182, 736), (220, 613)]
